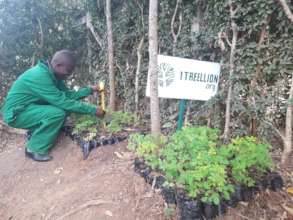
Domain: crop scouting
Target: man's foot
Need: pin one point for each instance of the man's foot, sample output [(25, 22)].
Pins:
[(28, 135), (38, 157)]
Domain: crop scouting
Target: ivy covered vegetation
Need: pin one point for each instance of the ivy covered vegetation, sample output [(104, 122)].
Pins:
[(252, 39)]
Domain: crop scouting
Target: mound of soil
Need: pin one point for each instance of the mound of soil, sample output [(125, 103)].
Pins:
[(102, 187)]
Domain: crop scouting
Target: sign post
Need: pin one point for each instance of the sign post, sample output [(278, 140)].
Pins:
[(186, 79), (182, 105)]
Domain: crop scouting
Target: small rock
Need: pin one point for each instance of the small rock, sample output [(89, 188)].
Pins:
[(118, 154), (58, 170), (109, 213)]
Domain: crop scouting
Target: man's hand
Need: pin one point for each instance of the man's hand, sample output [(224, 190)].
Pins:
[(96, 88), (100, 113)]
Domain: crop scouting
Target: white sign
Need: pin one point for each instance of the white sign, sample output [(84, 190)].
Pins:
[(182, 78)]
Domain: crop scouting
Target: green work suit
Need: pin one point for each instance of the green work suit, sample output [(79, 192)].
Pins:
[(39, 102)]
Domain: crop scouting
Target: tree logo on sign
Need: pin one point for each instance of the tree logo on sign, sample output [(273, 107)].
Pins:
[(166, 74)]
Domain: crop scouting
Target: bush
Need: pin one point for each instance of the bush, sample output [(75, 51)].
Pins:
[(190, 159), (118, 119), (147, 147), (249, 160), (113, 121)]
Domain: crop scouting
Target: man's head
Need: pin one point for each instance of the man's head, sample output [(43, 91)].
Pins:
[(63, 63)]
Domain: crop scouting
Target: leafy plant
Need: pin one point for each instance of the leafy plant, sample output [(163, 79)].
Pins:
[(114, 122), (249, 160), (169, 212), (192, 161), (118, 119), (147, 146), (86, 123)]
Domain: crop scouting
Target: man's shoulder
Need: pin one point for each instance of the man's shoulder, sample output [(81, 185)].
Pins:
[(35, 73)]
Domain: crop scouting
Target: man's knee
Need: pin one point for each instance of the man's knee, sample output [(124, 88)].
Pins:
[(61, 113), (57, 113)]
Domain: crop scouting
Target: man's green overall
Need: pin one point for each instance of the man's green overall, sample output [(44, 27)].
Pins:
[(39, 102)]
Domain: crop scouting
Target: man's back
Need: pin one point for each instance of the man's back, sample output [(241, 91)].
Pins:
[(22, 92)]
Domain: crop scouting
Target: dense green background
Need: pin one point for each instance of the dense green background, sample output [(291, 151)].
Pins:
[(21, 23)]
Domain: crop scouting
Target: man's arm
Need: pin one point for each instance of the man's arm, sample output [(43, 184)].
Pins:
[(46, 90), (71, 94)]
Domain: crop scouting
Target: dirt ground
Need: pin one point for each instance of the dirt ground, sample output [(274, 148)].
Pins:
[(102, 187)]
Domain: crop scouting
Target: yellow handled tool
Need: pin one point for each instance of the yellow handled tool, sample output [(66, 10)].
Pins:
[(102, 100), (102, 92)]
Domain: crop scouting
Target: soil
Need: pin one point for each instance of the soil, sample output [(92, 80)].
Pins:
[(102, 187)]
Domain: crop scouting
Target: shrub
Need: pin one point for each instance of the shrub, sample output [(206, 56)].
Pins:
[(118, 119), (249, 160), (190, 159), (147, 147), (113, 121)]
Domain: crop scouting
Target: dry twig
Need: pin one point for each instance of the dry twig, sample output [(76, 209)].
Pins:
[(83, 206)]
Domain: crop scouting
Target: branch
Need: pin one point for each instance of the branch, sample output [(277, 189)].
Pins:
[(141, 12), (175, 35), (231, 71), (90, 26), (276, 129), (84, 206), (42, 34), (227, 39), (6, 128), (286, 9), (262, 36), (119, 67), (233, 11)]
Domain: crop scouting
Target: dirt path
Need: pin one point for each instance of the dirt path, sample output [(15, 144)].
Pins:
[(102, 187)]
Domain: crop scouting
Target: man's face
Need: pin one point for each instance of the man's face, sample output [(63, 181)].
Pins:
[(63, 69)]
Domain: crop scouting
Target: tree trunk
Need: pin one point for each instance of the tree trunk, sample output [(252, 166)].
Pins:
[(39, 53), (138, 69), (231, 71), (256, 77), (112, 100), (93, 98), (288, 129), (153, 64), (139, 54)]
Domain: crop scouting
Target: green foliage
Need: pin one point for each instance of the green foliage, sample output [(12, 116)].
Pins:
[(35, 29), (169, 212), (86, 123), (20, 41), (190, 159), (147, 146), (119, 119), (114, 121), (249, 160)]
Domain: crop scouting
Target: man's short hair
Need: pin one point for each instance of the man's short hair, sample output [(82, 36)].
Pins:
[(60, 55)]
